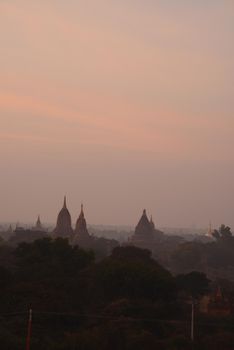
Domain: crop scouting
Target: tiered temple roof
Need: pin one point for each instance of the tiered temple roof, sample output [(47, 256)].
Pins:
[(64, 226)]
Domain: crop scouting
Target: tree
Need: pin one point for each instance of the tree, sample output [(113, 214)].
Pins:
[(188, 257), (47, 258), (131, 272), (224, 232), (195, 284), (48, 273)]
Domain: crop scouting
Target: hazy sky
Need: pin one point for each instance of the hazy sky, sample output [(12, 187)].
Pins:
[(121, 104)]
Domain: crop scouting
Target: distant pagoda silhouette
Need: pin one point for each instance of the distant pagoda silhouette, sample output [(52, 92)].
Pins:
[(64, 226), (144, 227), (145, 231), (209, 232), (81, 233), (38, 227), (81, 226)]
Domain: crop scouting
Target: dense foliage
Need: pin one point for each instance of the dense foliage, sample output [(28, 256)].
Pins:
[(216, 256), (125, 301)]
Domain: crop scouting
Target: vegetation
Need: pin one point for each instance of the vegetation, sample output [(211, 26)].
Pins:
[(224, 232), (125, 301), (216, 256)]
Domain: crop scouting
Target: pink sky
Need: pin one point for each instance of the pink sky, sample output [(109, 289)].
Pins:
[(120, 104)]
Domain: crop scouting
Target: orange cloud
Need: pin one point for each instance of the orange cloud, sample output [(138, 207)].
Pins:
[(118, 129)]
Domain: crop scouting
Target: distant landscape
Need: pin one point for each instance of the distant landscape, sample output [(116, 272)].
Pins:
[(116, 175)]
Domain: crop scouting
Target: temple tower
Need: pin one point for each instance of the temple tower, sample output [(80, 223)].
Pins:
[(38, 226), (144, 228), (145, 232), (64, 226), (152, 223), (81, 226)]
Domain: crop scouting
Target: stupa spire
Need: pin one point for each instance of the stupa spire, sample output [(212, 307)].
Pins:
[(65, 202), (152, 222), (38, 220), (81, 227), (64, 226)]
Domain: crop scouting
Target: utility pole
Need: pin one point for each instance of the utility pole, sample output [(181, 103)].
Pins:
[(28, 340), (192, 321)]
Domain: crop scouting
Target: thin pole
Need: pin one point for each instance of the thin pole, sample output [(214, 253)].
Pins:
[(28, 340), (192, 322)]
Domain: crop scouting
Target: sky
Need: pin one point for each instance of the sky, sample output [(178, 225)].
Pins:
[(122, 105)]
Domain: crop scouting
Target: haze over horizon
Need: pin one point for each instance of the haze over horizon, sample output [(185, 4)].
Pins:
[(123, 105)]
